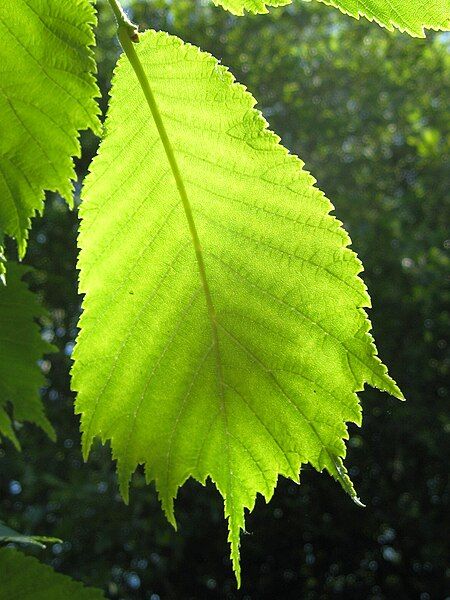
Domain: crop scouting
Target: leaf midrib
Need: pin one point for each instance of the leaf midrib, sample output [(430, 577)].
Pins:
[(136, 64)]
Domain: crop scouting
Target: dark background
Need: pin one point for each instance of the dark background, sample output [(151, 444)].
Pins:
[(368, 111)]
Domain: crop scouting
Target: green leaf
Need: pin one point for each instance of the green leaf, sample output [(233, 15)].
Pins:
[(25, 578), (21, 346), (47, 95), (8, 535), (412, 16), (256, 379), (238, 7)]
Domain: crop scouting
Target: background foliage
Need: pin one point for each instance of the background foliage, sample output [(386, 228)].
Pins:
[(368, 111)]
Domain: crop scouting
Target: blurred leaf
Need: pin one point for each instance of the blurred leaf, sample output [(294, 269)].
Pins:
[(237, 7), (8, 535), (25, 578)]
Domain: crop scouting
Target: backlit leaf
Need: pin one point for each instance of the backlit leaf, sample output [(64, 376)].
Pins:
[(261, 377), (413, 16), (238, 7), (47, 95)]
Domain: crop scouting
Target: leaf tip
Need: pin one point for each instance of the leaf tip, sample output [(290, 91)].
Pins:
[(339, 472), (14, 440), (50, 431), (235, 525), (86, 443), (358, 502), (124, 485), (235, 556), (167, 506)]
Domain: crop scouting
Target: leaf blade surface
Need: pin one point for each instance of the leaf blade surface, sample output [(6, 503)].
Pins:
[(21, 347), (414, 16), (277, 386), (47, 96), (238, 7), (26, 578)]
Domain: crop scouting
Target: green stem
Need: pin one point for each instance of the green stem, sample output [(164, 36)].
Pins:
[(123, 21), (127, 32)]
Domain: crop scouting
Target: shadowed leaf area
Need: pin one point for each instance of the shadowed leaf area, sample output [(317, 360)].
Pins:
[(21, 347), (25, 578)]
